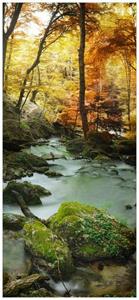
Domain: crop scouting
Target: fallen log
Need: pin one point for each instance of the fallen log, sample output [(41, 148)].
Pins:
[(13, 288), (51, 156), (25, 209)]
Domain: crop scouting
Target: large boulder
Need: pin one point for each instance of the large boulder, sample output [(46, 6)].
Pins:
[(13, 221), (76, 145), (31, 193), (47, 249), (91, 233), (20, 164), (30, 160), (15, 261)]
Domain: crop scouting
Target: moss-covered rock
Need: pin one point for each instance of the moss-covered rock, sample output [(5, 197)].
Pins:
[(41, 170), (101, 157), (31, 193), (76, 145), (95, 144), (13, 221), (91, 233), (19, 129), (53, 174), (30, 160), (20, 164), (41, 242)]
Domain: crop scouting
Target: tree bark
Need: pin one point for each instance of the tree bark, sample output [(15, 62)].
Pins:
[(10, 29), (13, 288), (82, 70)]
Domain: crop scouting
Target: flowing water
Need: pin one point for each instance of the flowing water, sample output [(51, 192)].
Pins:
[(108, 185)]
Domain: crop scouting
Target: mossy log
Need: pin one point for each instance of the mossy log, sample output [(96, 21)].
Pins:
[(13, 288), (25, 209)]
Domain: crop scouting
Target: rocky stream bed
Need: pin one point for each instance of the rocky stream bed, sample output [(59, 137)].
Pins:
[(102, 183)]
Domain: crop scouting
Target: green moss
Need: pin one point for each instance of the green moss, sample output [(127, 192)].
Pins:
[(43, 243), (92, 233), (72, 209), (87, 250), (24, 125)]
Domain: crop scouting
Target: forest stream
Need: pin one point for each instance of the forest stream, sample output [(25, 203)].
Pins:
[(108, 185)]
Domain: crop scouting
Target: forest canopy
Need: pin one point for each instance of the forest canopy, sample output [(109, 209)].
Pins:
[(42, 58)]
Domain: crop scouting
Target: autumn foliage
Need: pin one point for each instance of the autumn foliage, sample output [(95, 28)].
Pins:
[(53, 82)]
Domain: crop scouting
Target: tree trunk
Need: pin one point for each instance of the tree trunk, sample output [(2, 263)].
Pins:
[(129, 96), (8, 63), (4, 53), (128, 79), (33, 96), (36, 61), (10, 29), (82, 70)]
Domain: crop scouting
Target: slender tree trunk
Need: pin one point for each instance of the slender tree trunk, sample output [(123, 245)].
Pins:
[(128, 79), (33, 96), (4, 39), (31, 81), (36, 61), (10, 29), (129, 97), (39, 76), (82, 70), (8, 63), (4, 53), (22, 92), (76, 117)]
